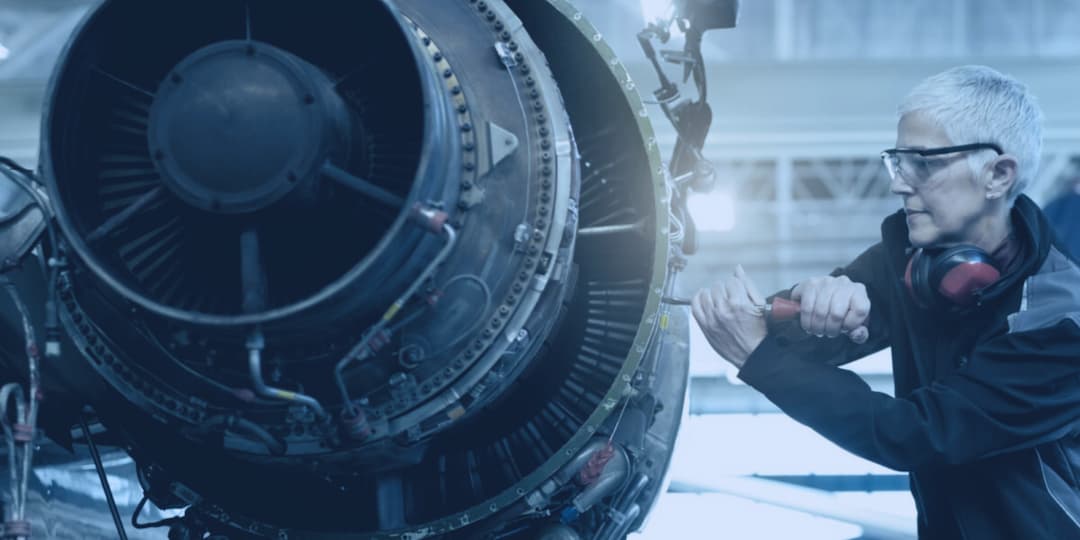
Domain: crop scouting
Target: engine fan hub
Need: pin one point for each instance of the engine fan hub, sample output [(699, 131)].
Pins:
[(238, 125)]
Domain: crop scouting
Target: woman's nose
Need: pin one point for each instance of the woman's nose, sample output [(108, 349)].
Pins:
[(898, 186)]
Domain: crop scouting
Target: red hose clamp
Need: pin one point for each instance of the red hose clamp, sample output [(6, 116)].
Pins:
[(16, 529), (430, 218), (356, 425), (592, 470), (379, 340), (23, 433)]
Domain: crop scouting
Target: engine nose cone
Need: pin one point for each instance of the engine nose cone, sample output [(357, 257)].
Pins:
[(237, 125)]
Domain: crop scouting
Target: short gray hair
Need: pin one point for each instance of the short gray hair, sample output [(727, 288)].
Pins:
[(977, 104)]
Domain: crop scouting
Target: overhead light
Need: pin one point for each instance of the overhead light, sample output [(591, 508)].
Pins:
[(655, 10), (4, 52), (713, 211)]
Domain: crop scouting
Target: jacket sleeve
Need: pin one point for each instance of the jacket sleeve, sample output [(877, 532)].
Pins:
[(866, 269), (1016, 391)]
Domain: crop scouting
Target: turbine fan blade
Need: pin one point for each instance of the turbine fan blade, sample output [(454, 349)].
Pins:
[(252, 274)]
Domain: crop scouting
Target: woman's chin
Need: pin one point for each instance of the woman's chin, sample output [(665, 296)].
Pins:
[(920, 237)]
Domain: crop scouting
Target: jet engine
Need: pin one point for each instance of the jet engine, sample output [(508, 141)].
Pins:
[(371, 269)]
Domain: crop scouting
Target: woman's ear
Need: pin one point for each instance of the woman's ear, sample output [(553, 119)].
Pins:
[(1002, 176)]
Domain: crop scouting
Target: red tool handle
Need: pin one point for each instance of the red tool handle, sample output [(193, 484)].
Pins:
[(782, 309)]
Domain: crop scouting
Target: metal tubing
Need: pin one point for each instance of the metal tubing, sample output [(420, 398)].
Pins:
[(361, 350), (104, 479), (255, 346)]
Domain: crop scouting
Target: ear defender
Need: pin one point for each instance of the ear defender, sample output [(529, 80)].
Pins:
[(949, 278)]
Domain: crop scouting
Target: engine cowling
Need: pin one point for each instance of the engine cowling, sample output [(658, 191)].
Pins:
[(368, 269)]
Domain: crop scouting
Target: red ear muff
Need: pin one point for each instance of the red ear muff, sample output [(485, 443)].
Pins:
[(950, 278), (965, 274)]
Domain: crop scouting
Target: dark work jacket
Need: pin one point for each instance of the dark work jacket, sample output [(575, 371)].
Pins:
[(986, 416)]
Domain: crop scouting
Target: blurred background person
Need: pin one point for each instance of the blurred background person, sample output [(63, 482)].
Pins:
[(1064, 214)]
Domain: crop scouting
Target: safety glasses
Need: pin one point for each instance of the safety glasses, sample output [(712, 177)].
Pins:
[(915, 166)]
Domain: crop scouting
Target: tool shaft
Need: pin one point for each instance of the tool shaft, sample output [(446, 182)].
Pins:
[(776, 310)]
